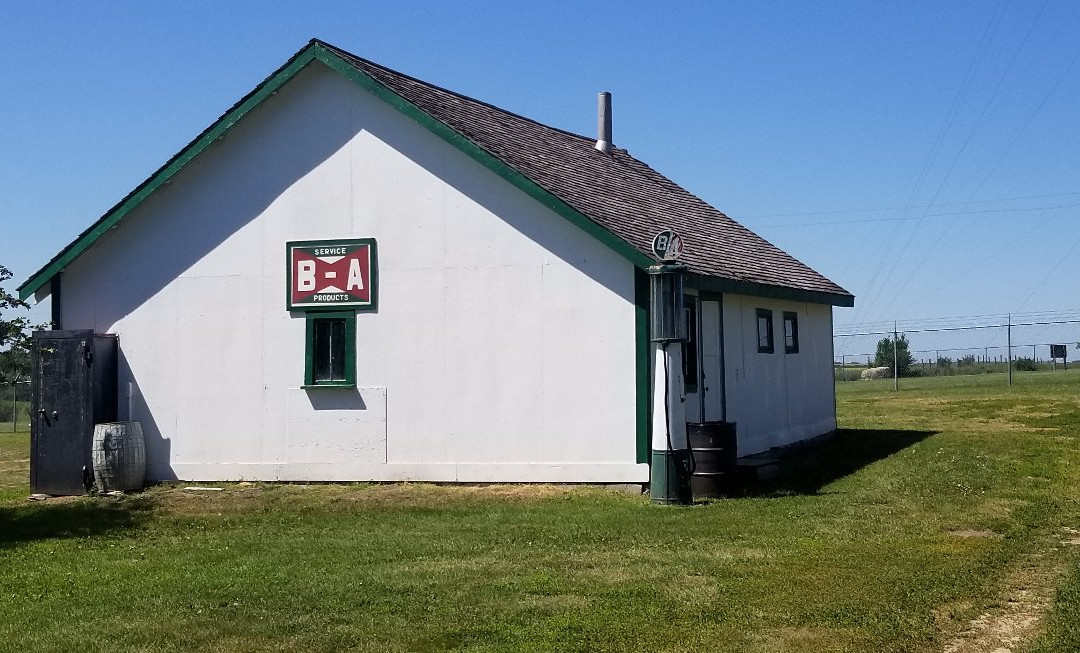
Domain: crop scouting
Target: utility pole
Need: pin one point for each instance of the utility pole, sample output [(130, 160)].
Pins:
[(895, 358), (1009, 340), (14, 396)]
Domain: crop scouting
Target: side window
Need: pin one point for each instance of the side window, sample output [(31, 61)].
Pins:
[(330, 351), (764, 331), (690, 347), (791, 333)]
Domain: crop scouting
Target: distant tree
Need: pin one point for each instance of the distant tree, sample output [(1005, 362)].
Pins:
[(14, 335), (14, 365), (12, 329), (884, 355)]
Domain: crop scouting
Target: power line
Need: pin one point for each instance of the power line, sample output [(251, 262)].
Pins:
[(930, 215), (898, 208), (962, 91), (1049, 274)]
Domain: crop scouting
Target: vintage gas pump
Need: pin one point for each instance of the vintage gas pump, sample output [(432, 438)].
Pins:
[(671, 459)]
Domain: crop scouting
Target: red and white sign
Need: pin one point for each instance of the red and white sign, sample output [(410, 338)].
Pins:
[(332, 274)]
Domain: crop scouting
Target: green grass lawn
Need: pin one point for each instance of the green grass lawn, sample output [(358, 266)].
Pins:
[(922, 514)]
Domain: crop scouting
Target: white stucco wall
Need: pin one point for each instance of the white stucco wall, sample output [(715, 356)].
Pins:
[(778, 399), (502, 350)]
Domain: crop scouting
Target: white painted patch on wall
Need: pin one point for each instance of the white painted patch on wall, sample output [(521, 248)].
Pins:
[(332, 425)]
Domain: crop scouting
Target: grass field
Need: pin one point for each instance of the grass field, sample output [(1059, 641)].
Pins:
[(950, 502)]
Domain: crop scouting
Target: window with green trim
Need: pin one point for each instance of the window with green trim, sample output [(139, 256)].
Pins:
[(791, 333), (764, 331), (330, 350)]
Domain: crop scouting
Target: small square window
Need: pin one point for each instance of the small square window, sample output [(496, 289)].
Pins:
[(764, 331), (330, 357), (791, 333)]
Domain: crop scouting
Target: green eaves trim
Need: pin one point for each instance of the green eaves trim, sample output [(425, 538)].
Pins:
[(642, 375), (173, 166), (718, 285), (483, 157)]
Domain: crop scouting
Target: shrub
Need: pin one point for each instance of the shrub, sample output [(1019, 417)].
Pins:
[(1025, 365)]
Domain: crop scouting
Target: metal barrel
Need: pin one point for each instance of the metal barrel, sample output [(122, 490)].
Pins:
[(119, 456), (713, 446)]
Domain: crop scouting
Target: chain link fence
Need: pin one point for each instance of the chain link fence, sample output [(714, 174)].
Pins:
[(14, 406), (995, 344)]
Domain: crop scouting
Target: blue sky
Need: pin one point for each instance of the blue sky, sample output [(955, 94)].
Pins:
[(924, 155)]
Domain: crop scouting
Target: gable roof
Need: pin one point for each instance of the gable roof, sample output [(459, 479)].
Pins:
[(614, 197)]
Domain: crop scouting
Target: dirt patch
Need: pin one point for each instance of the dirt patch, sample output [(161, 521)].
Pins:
[(972, 533), (999, 508), (245, 496), (518, 491), (693, 589), (52, 501), (1016, 617)]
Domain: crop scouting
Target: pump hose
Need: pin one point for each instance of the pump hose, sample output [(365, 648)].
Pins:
[(691, 465)]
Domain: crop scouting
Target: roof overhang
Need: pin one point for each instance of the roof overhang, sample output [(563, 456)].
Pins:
[(720, 285)]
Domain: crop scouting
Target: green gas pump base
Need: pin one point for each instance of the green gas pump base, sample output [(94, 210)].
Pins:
[(669, 477)]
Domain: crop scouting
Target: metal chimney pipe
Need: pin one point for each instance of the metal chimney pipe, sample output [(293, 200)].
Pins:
[(603, 122)]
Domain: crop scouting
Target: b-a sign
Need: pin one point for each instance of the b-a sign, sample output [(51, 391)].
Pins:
[(333, 274)]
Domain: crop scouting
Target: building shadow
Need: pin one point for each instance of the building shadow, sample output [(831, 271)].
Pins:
[(807, 468), (62, 519), (133, 407)]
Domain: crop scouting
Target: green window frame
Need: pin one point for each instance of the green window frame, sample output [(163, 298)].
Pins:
[(791, 332), (330, 349), (764, 331)]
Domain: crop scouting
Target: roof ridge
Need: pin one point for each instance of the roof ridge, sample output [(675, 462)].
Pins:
[(617, 198), (367, 62)]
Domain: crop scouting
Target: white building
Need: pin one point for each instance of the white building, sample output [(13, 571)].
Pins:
[(356, 275)]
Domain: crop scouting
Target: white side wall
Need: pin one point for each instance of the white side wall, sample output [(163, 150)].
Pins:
[(502, 350), (778, 399)]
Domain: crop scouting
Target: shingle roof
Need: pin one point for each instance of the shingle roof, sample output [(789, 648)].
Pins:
[(616, 191), (615, 197)]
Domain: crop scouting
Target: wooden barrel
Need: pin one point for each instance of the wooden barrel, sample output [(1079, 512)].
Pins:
[(713, 445), (119, 456)]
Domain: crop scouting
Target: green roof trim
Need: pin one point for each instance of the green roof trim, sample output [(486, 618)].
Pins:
[(312, 52), (482, 156), (718, 285), (164, 174)]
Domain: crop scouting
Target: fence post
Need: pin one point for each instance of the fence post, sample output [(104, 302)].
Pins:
[(895, 358), (1009, 341)]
